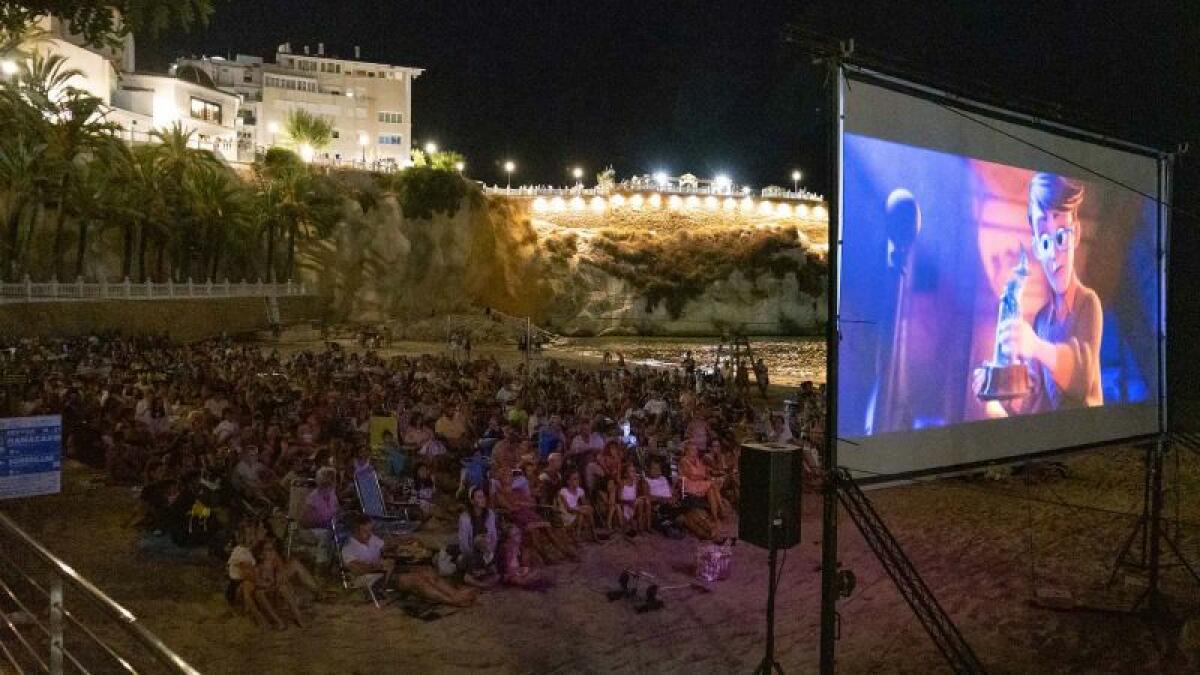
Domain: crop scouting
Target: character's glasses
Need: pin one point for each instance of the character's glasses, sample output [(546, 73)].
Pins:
[(1042, 243)]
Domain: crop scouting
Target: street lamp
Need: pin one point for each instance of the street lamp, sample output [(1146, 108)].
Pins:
[(362, 141), (796, 181), (459, 166), (722, 182), (430, 148), (274, 129), (577, 172), (9, 67), (509, 167), (661, 178)]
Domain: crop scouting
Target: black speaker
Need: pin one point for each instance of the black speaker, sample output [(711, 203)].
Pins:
[(770, 490)]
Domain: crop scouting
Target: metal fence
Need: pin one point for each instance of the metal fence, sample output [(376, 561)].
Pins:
[(40, 631), (30, 291)]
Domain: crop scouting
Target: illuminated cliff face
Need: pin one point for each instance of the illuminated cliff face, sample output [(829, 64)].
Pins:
[(650, 272)]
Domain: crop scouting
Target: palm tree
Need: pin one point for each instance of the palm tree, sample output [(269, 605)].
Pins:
[(220, 213), (21, 160), (176, 159), (79, 132), (308, 133)]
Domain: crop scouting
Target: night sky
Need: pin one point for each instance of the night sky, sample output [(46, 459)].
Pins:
[(712, 86)]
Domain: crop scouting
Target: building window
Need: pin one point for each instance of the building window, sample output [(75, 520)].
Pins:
[(246, 76), (206, 110), (391, 117), (390, 139), (337, 134)]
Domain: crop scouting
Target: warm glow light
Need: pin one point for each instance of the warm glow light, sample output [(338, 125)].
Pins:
[(598, 204), (539, 204), (722, 182), (509, 166), (747, 203), (362, 139), (636, 201), (307, 152), (618, 200), (819, 213), (746, 190), (796, 176), (730, 204), (163, 111), (674, 203), (459, 166), (766, 208), (655, 201), (8, 66), (577, 172), (431, 148), (783, 210), (273, 127), (577, 204), (660, 178), (558, 205), (349, 94), (802, 211), (710, 203), (693, 201)]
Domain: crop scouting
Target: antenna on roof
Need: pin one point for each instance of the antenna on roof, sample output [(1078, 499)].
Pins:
[(357, 52)]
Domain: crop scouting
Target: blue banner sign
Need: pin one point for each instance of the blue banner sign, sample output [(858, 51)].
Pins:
[(30, 456)]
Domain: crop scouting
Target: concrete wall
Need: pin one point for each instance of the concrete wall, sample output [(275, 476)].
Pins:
[(184, 320)]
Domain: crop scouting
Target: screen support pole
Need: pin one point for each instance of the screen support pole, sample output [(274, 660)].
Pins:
[(829, 518)]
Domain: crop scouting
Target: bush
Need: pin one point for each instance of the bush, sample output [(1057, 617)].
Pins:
[(423, 191)]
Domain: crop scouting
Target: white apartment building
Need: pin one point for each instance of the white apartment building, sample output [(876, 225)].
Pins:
[(369, 105), (142, 102)]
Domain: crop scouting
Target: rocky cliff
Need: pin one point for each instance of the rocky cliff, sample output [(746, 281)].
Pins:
[(654, 272)]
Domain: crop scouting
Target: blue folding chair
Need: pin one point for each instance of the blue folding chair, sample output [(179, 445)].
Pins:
[(375, 506)]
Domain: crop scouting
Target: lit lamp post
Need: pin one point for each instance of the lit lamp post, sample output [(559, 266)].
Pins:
[(274, 129), (577, 172), (459, 166), (509, 167), (362, 142), (796, 181), (430, 149), (722, 183)]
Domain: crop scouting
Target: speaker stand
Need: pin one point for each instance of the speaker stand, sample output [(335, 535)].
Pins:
[(769, 665)]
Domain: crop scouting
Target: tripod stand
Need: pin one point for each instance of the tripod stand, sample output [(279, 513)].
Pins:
[(769, 665), (1148, 534)]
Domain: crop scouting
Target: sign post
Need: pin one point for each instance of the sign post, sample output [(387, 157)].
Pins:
[(30, 456)]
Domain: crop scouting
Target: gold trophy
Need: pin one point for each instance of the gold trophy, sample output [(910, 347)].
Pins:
[(1004, 378)]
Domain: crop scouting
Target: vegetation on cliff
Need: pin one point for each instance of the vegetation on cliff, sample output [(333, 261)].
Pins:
[(679, 267)]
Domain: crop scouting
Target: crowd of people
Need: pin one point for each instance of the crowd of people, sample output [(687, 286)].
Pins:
[(532, 462)]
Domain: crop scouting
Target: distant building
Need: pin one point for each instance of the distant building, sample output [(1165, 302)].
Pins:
[(142, 102), (369, 105)]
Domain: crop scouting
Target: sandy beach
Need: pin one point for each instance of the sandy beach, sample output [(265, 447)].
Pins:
[(983, 546)]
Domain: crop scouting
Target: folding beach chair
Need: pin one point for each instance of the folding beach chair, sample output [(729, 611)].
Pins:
[(405, 519), (363, 582)]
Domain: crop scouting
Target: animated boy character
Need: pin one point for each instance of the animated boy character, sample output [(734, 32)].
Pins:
[(1062, 347)]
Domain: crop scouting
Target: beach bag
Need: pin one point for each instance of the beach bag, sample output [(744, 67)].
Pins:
[(713, 561)]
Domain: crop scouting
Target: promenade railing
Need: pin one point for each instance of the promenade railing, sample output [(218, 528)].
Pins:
[(31, 291), (53, 620)]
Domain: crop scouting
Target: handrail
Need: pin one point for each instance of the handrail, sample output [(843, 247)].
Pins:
[(124, 617), (31, 291)]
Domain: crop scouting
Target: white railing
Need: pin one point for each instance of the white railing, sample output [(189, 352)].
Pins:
[(30, 291), (550, 191)]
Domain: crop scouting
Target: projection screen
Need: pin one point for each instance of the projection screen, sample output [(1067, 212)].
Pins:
[(1000, 294)]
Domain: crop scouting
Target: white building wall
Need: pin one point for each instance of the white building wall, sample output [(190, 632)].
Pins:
[(162, 100), (363, 101)]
